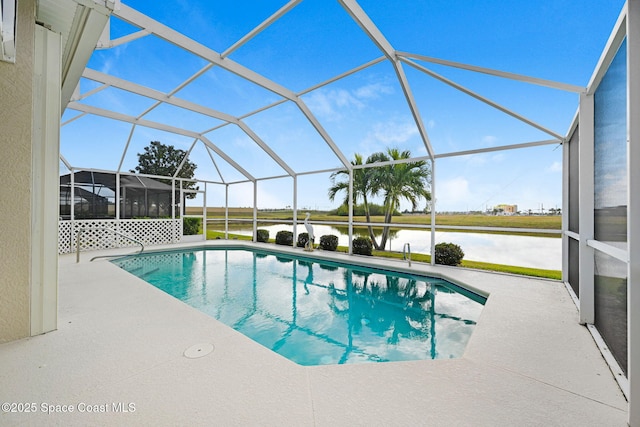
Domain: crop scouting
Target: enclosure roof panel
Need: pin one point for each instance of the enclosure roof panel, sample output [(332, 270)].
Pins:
[(355, 76)]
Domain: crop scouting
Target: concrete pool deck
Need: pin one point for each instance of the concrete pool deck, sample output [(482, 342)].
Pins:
[(120, 344)]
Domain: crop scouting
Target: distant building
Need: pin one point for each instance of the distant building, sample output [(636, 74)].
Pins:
[(507, 209)]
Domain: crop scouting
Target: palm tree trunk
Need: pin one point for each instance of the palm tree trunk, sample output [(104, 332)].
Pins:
[(368, 217), (385, 229)]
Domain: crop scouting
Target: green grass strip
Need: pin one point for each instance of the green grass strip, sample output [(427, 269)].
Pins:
[(417, 257)]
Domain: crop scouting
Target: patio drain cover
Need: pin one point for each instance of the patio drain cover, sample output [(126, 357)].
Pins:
[(198, 350)]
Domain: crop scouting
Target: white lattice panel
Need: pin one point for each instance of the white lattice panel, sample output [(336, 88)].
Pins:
[(64, 237), (99, 234)]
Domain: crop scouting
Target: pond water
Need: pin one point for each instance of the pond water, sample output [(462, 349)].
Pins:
[(523, 251)]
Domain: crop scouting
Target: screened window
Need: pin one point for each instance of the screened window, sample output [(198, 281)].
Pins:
[(610, 164), (611, 304)]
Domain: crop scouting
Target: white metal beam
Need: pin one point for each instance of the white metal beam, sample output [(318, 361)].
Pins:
[(160, 126), (295, 207), (227, 52), (500, 148), (482, 98), (43, 188), (367, 25), (312, 88), (129, 119), (323, 133), (226, 158), (177, 102), (65, 161), (343, 75), (136, 18), (257, 30), (633, 210), (163, 98), (413, 107), (619, 32), (126, 147), (87, 27), (511, 76), (88, 93), (586, 206), (566, 206), (73, 119), (154, 94), (372, 31), (432, 246), (178, 88), (251, 134), (460, 153), (122, 40), (184, 159), (215, 164)]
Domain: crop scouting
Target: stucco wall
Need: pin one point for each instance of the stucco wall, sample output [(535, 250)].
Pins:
[(16, 88)]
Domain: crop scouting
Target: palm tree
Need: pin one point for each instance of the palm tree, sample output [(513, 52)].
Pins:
[(362, 183), (409, 181)]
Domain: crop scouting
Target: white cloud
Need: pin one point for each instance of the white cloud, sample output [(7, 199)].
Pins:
[(393, 132), (334, 104), (556, 167), (372, 91), (329, 104)]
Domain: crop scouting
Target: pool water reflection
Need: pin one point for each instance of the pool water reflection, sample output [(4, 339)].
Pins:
[(318, 313)]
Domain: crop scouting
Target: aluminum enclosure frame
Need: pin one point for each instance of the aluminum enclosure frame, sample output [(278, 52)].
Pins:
[(627, 26)]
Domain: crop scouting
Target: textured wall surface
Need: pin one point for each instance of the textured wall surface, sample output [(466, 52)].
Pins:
[(16, 87)]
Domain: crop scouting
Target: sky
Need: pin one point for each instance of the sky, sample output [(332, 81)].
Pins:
[(559, 40)]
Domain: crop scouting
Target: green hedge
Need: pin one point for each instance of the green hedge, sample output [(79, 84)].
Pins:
[(329, 242), (362, 246), (303, 239), (262, 235), (191, 226), (284, 237), (448, 254)]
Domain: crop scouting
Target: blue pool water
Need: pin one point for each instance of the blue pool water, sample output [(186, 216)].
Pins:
[(317, 312)]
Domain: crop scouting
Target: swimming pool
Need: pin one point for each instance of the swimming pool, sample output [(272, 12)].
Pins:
[(317, 312)]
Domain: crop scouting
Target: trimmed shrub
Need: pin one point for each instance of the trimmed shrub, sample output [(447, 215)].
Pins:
[(303, 238), (448, 254), (362, 246), (329, 242), (284, 237), (190, 226), (262, 235)]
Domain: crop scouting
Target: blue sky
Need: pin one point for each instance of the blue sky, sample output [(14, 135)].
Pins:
[(365, 112)]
